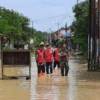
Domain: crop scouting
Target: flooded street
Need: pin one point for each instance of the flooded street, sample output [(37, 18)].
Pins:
[(79, 85)]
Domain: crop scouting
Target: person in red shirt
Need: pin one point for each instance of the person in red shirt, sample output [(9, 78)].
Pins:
[(40, 60), (48, 58), (36, 50), (57, 57)]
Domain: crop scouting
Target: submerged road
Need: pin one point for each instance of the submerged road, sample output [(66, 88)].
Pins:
[(79, 85)]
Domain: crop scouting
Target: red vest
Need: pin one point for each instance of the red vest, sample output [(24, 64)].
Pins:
[(48, 55), (56, 56), (40, 57)]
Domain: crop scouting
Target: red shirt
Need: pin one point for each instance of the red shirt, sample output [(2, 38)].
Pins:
[(48, 55), (56, 56), (40, 54)]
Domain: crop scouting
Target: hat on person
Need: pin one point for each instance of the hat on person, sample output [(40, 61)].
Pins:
[(41, 45), (47, 44)]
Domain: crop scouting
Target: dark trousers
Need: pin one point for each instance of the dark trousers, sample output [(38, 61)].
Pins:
[(57, 63), (64, 68), (41, 68), (48, 67)]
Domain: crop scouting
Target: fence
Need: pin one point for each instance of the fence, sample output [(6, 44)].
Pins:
[(16, 58)]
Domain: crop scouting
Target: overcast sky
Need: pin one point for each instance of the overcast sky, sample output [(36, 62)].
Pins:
[(40, 9)]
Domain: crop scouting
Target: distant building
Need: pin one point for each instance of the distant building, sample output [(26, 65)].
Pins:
[(59, 33)]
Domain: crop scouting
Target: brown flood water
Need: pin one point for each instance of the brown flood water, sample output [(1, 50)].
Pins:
[(79, 85)]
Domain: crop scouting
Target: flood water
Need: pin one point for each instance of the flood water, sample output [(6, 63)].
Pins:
[(79, 85)]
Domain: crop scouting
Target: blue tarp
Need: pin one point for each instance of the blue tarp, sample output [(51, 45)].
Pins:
[(67, 34)]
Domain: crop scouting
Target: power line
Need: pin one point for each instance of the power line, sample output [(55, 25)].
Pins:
[(64, 21), (68, 10), (60, 22), (50, 17), (53, 17), (77, 1)]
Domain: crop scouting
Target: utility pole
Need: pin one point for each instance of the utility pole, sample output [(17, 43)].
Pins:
[(58, 28), (77, 2), (33, 30), (32, 27), (32, 33), (92, 36), (50, 35), (98, 36), (93, 32), (66, 27), (89, 38)]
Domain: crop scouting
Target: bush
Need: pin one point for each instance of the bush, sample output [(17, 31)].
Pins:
[(6, 48)]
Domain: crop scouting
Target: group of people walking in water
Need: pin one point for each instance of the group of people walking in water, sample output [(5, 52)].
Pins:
[(48, 58)]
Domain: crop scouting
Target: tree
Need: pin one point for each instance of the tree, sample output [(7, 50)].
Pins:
[(15, 27), (80, 25)]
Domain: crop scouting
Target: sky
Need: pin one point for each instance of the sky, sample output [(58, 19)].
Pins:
[(38, 10)]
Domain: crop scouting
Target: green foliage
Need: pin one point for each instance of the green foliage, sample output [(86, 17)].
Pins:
[(15, 27), (80, 25), (6, 48), (38, 37)]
